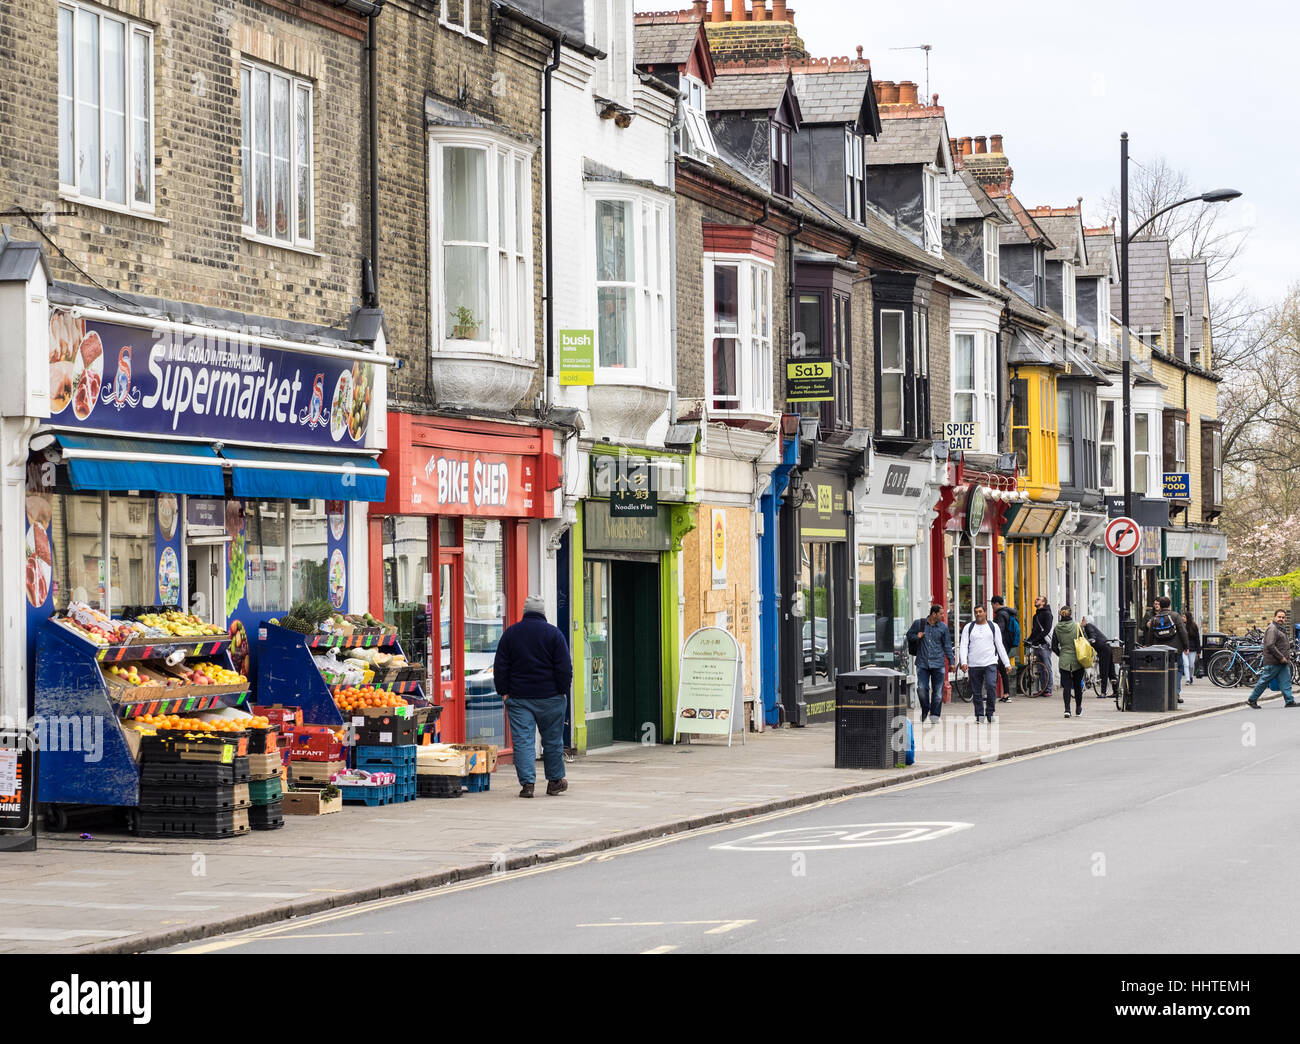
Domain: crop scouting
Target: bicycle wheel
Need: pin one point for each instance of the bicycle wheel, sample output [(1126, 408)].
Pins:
[(1225, 670), (1092, 681), (1122, 702), (1042, 679)]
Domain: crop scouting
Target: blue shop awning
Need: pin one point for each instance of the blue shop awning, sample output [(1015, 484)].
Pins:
[(105, 462), (269, 474)]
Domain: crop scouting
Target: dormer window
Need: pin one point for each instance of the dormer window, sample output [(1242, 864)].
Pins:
[(697, 138), (1103, 312), (1067, 293), (1040, 278), (992, 267), (853, 196), (933, 230), (781, 184), (611, 32)]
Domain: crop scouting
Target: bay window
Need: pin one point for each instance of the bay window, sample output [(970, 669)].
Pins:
[(902, 358), (631, 280), (1034, 420), (105, 129), (482, 256), (893, 371), (738, 312), (974, 385), (1065, 436), (276, 154), (1142, 473)]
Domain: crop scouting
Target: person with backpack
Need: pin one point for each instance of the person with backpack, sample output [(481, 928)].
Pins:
[(1040, 635), (1067, 640), (1105, 658), (1008, 623), (1166, 627), (982, 652), (930, 642)]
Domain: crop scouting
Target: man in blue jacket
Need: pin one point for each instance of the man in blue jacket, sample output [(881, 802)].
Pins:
[(532, 672), (933, 643)]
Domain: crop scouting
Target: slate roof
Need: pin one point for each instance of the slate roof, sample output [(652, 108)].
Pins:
[(838, 97), (1197, 289), (1148, 261), (19, 258), (962, 197), (1101, 256), (1020, 227), (746, 92), (669, 43), (923, 139), (1066, 232)]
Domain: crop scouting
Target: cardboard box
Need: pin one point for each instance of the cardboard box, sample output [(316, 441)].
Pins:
[(279, 715), (313, 743), (309, 803), (315, 772), (483, 756), (442, 763), (265, 766)]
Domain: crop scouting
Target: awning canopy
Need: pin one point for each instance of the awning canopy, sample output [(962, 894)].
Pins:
[(270, 474), (105, 462)]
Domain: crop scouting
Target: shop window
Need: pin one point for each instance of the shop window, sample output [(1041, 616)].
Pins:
[(406, 564), (974, 385), (483, 282), (465, 16), (265, 532), (632, 283), (596, 650), (133, 566), (77, 543), (276, 154), (817, 595), (485, 620), (738, 298), (309, 550), (105, 108), (884, 602)]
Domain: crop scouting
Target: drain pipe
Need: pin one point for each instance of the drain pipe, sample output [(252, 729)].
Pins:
[(548, 236), (374, 153)]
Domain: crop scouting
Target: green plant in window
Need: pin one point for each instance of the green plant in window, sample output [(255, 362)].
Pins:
[(467, 324)]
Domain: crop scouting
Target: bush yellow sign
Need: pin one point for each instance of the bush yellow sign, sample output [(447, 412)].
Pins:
[(810, 381), (577, 357)]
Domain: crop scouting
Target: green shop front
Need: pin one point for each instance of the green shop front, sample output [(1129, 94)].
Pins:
[(625, 579)]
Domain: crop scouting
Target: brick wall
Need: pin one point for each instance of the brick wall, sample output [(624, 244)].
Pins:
[(940, 360), (194, 249), (864, 356), (690, 298), (1241, 608)]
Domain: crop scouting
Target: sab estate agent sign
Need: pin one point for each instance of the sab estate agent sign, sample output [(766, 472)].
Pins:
[(810, 382), (105, 376), (709, 693)]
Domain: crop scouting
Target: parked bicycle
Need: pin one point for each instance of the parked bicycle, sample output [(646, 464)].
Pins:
[(1237, 663), (1033, 679)]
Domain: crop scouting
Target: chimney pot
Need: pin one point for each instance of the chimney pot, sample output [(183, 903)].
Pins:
[(886, 92), (907, 93), (859, 52), (964, 145), (995, 143), (934, 99), (719, 11), (760, 11), (738, 11), (700, 9), (779, 12), (981, 146)]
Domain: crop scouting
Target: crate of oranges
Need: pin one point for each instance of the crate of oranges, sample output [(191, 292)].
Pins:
[(362, 699)]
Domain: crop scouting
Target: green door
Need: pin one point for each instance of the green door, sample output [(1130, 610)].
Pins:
[(634, 629)]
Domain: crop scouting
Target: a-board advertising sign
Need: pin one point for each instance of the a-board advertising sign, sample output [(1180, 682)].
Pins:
[(710, 692)]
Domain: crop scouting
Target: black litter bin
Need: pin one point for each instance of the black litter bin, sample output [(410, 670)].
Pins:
[(1211, 643), (1154, 678), (870, 719)]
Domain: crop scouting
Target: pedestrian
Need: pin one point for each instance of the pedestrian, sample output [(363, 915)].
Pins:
[(930, 641), (1277, 661), (533, 671), (1166, 627), (1152, 613), (1193, 650), (982, 653), (1040, 635), (1105, 658), (1009, 624), (1063, 638)]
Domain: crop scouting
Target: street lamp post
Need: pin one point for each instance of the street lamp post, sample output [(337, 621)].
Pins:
[(1128, 623)]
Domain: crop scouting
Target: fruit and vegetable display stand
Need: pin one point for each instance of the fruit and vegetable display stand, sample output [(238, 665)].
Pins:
[(102, 683)]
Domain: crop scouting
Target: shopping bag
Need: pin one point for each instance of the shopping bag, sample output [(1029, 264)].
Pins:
[(1083, 650), (1275, 683)]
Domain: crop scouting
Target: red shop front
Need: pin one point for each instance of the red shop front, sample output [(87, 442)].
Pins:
[(449, 553)]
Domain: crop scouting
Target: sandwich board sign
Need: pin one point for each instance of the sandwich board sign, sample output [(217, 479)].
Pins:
[(710, 686)]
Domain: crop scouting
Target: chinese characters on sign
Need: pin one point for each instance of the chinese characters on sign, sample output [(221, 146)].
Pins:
[(630, 483)]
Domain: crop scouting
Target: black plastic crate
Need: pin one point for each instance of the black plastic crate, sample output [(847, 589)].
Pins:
[(437, 786), (266, 817), (263, 741), (192, 823), (386, 731), (219, 797), (194, 773)]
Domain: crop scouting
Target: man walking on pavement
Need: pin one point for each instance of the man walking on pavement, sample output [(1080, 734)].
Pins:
[(1167, 628), (1005, 618), (930, 641), (1277, 661), (982, 653), (533, 671), (1040, 637)]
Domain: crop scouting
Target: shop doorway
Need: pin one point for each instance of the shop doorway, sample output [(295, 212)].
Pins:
[(621, 654), (206, 581), (451, 653)]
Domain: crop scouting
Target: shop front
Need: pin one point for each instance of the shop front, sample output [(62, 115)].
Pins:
[(1029, 572), (1078, 582), (965, 541), (449, 553), (1207, 551), (625, 544), (191, 483), (894, 508)]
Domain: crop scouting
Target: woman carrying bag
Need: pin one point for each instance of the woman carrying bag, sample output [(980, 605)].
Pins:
[(1075, 656)]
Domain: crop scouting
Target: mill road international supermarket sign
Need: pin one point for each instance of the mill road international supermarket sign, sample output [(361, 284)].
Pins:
[(109, 377)]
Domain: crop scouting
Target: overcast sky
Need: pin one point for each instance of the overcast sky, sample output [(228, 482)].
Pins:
[(1210, 86)]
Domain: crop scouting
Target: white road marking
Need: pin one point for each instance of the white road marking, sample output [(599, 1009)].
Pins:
[(661, 949), (72, 884), (245, 895), (855, 835)]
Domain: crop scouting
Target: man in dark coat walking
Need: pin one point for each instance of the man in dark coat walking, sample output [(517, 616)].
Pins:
[(532, 672)]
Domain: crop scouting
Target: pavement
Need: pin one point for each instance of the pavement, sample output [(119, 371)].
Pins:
[(1167, 840), (116, 893)]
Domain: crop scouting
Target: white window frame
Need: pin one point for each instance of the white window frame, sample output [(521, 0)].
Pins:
[(448, 21), (1144, 451), (891, 374), (1115, 448), (1069, 310), (1217, 436), (992, 257), (296, 87), (1180, 445), (933, 234), (755, 277), (1103, 312), (650, 281), (854, 174), (696, 138), (68, 136), (511, 331), (610, 24), (1065, 470), (983, 392)]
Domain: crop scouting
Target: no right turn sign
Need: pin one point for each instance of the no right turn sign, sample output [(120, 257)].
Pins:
[(1123, 536)]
